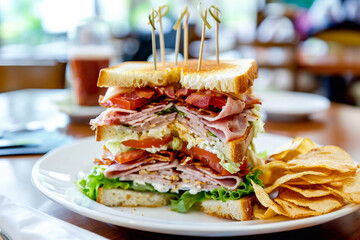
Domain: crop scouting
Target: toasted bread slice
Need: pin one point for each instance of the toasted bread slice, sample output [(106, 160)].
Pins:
[(234, 150), (241, 210), (138, 74), (130, 198), (231, 76)]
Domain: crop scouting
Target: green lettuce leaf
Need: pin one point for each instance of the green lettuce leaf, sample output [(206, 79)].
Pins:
[(96, 179), (170, 110), (187, 200)]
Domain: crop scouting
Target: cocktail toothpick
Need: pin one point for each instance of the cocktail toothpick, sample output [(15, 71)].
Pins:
[(161, 33), (186, 37), (218, 21), (177, 27), (152, 17), (205, 24)]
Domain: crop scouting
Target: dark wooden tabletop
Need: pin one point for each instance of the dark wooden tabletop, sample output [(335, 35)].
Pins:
[(340, 125)]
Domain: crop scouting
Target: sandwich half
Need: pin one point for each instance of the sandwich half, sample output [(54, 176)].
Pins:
[(177, 136)]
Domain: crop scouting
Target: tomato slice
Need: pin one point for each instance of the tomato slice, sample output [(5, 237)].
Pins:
[(218, 102), (130, 155), (148, 142), (131, 100), (129, 104), (207, 158)]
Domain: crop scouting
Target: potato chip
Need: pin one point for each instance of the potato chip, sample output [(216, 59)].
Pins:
[(265, 200), (289, 177), (310, 181), (261, 212), (350, 190), (323, 179), (294, 211), (272, 171), (297, 182), (336, 184), (253, 159), (319, 204), (298, 146), (308, 191), (328, 157)]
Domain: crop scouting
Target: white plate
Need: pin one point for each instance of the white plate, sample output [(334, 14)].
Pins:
[(287, 106), (55, 173), (67, 105)]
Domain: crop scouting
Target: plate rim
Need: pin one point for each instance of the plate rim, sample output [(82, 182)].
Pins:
[(326, 102), (230, 228)]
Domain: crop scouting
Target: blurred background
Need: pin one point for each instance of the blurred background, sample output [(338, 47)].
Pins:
[(307, 46)]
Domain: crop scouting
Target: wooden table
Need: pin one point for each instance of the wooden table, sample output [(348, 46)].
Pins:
[(340, 125)]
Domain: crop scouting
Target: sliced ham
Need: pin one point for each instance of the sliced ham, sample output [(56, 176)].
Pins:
[(231, 107), (161, 166), (193, 122), (207, 175), (228, 128), (149, 178), (156, 122), (119, 116), (171, 172), (113, 170), (117, 170)]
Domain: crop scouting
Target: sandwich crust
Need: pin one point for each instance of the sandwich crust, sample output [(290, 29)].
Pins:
[(231, 76), (237, 148), (241, 210)]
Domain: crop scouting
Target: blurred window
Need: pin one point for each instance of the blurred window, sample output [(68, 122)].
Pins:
[(25, 23)]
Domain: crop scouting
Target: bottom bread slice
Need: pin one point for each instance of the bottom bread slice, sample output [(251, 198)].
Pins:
[(240, 210), (129, 198)]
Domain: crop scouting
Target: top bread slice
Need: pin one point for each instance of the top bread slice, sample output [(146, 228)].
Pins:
[(230, 76), (138, 74)]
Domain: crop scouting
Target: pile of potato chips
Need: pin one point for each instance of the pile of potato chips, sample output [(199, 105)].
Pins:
[(306, 180)]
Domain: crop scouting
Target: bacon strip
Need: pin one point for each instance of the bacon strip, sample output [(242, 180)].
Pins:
[(168, 91)]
